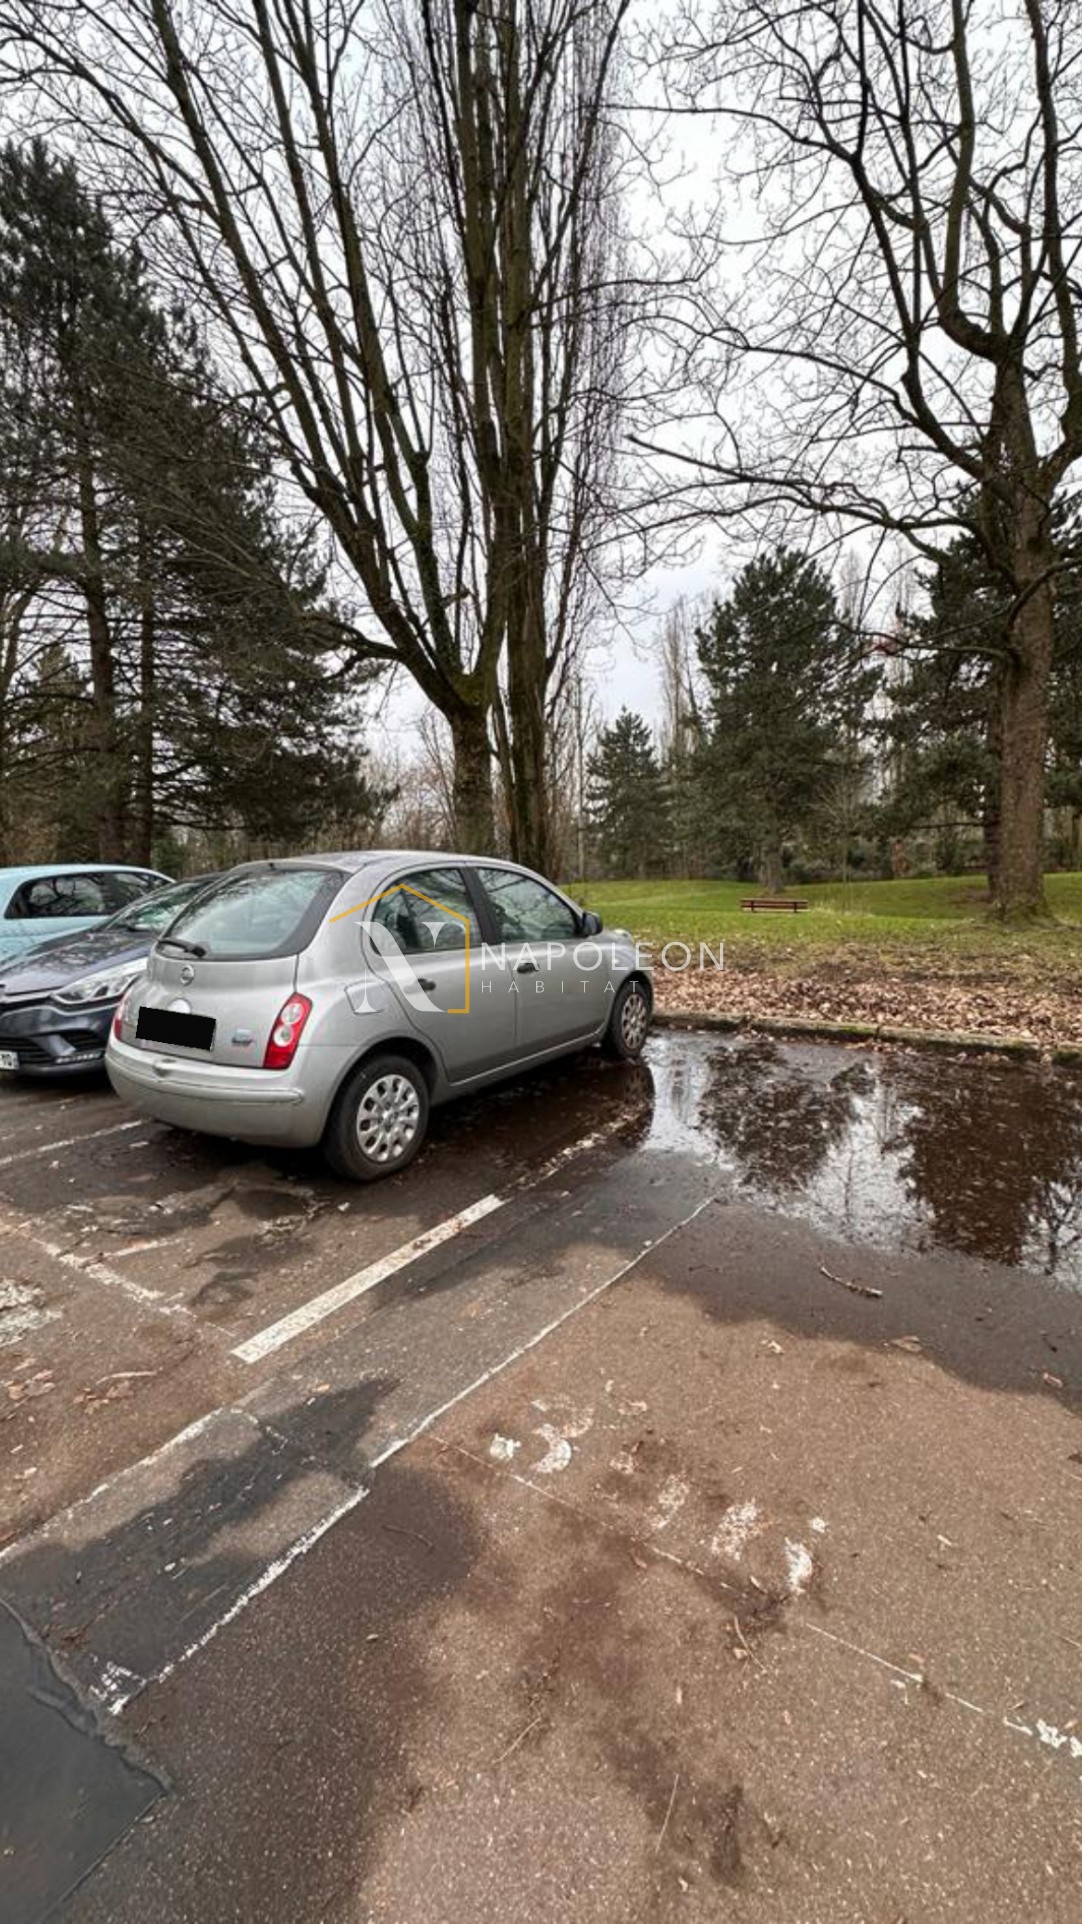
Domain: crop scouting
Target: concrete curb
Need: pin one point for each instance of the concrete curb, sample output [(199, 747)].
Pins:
[(961, 1039)]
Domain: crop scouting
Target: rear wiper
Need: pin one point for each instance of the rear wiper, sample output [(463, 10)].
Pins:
[(178, 942)]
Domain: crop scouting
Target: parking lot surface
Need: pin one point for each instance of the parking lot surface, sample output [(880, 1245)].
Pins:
[(661, 1500)]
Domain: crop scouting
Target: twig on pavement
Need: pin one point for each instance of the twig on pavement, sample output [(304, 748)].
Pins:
[(521, 1738), (668, 1813), (747, 1646), (397, 1530), (857, 1289)]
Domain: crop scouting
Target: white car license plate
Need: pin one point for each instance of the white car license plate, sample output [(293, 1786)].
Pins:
[(8, 1059)]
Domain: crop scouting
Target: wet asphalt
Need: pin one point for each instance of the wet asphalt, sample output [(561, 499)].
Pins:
[(698, 1526)]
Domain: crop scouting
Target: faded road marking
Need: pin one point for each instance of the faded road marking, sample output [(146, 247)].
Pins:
[(740, 1523), (266, 1341), (558, 1454), (119, 1477), (798, 1563), (311, 1537), (671, 1499), (21, 1313), (98, 1272), (561, 1434), (70, 1142)]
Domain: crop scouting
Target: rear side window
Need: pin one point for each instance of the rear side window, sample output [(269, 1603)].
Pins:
[(258, 913), (428, 911), (51, 896)]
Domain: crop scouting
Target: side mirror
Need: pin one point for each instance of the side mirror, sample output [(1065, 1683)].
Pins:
[(589, 923)]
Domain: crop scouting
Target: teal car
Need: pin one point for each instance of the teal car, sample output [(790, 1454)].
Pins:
[(59, 898)]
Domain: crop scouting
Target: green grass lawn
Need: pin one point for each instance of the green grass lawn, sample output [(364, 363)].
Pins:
[(904, 922)]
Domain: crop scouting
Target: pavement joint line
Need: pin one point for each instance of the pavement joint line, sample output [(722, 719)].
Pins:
[(68, 1142), (1043, 1731), (306, 1542), (601, 1524), (265, 1341)]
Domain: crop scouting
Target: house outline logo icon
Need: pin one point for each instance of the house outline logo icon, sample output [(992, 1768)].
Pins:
[(399, 963)]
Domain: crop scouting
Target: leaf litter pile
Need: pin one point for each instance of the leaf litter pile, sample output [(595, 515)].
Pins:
[(1023, 1001)]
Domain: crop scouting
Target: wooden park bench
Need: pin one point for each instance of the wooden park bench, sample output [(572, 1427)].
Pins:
[(773, 904)]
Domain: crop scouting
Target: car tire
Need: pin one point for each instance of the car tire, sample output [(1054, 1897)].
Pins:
[(379, 1119), (629, 1021)]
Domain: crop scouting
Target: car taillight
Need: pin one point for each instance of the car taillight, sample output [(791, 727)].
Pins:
[(286, 1033), (118, 1018)]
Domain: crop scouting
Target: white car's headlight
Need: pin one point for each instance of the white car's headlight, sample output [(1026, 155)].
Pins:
[(107, 986)]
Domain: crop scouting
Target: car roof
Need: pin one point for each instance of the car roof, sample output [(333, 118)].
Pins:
[(352, 859), (30, 871)]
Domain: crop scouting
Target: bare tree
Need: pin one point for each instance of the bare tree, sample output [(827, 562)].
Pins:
[(679, 708), (404, 224), (906, 328), (573, 733)]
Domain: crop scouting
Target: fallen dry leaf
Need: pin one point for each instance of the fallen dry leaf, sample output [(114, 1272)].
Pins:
[(942, 995)]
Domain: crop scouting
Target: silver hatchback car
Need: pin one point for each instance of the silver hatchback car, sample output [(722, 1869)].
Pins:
[(334, 999)]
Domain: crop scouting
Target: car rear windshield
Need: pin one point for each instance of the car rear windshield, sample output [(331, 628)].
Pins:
[(257, 913)]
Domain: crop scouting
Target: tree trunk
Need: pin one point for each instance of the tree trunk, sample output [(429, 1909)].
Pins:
[(992, 798), (471, 790), (528, 787), (1020, 893), (770, 868), (109, 785), (142, 815)]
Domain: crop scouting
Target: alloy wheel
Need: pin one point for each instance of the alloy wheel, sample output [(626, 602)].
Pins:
[(388, 1117), (634, 1020)]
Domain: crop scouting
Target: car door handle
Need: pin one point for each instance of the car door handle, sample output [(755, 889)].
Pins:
[(426, 983), (526, 968)]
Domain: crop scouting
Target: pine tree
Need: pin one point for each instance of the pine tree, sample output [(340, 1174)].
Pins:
[(783, 683), (141, 517), (627, 799)]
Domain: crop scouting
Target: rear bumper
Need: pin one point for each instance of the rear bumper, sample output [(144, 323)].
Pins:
[(251, 1105), (54, 1043)]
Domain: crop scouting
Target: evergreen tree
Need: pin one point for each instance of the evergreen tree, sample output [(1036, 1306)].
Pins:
[(142, 536), (946, 709), (786, 691), (627, 799)]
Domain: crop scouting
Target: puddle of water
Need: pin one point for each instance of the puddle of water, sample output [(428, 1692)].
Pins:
[(913, 1150)]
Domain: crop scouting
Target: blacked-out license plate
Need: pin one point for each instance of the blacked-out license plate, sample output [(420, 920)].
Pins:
[(172, 1025)]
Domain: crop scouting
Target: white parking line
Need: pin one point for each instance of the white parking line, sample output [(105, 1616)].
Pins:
[(69, 1142), (267, 1340), (14, 1225), (318, 1530)]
